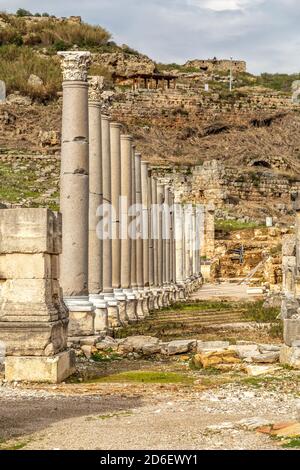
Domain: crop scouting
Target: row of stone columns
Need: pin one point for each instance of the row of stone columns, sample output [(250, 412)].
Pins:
[(127, 248)]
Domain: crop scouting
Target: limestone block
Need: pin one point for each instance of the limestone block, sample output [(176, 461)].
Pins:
[(211, 345), (290, 356), (291, 330), (137, 343), (245, 351), (33, 291), (34, 339), (266, 358), (181, 346), (28, 231), (40, 369), (26, 266), (213, 358)]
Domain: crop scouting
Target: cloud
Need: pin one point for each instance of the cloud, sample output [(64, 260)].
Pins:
[(262, 32)]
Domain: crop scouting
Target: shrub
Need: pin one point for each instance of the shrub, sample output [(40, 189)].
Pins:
[(17, 64), (22, 12)]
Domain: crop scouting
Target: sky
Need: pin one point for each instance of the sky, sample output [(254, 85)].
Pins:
[(265, 33)]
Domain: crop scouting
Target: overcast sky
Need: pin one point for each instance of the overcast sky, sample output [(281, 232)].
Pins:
[(265, 33)]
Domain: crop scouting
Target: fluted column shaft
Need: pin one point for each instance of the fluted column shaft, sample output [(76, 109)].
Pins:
[(139, 222), (116, 171), (146, 234), (126, 194), (106, 186)]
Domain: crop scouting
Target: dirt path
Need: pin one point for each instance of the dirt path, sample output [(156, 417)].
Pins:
[(148, 416)]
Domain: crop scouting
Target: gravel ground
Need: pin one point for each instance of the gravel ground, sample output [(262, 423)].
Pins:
[(139, 416)]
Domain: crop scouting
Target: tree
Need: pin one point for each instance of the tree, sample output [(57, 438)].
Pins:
[(23, 12)]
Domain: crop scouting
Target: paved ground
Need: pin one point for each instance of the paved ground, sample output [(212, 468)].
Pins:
[(226, 290)]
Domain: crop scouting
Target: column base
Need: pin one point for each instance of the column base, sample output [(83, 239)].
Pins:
[(122, 301), (81, 316), (112, 309), (139, 304), (54, 369), (131, 306), (101, 314)]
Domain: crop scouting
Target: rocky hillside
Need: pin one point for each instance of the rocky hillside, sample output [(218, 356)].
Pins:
[(253, 131)]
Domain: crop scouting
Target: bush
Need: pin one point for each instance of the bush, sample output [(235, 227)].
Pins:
[(18, 63), (21, 12)]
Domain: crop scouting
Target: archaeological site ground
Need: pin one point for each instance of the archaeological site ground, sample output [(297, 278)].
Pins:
[(149, 247)]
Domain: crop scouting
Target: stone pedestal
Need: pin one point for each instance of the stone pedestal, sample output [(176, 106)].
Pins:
[(74, 190), (33, 316)]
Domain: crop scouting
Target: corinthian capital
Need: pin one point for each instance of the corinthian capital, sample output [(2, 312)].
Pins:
[(96, 85), (75, 65)]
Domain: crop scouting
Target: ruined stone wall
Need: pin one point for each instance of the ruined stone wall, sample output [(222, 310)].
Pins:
[(238, 66), (153, 102)]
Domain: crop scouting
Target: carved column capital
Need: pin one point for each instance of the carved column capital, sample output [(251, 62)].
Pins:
[(96, 85), (75, 65)]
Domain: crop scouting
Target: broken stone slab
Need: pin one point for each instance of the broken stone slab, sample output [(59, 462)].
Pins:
[(138, 343), (256, 290), (211, 358), (292, 430), (254, 370), (181, 346), (269, 348), (290, 356), (251, 424), (212, 345), (40, 369), (266, 358), (245, 351), (107, 343)]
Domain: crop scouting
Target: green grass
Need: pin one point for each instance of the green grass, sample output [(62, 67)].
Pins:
[(146, 377), (233, 225), (107, 356), (293, 443), (16, 185)]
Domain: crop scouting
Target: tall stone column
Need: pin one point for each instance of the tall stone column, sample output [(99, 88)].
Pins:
[(180, 277), (95, 201), (126, 246), (163, 298), (115, 139), (74, 192), (152, 301), (209, 238), (107, 287), (138, 242), (133, 273), (188, 248), (172, 245), (148, 302), (154, 236)]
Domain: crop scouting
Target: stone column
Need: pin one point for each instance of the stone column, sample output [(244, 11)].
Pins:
[(172, 245), (199, 241), (33, 316), (180, 277), (152, 301), (154, 236), (115, 138), (163, 298), (133, 274), (74, 192), (95, 201), (126, 246), (142, 299), (146, 236), (188, 247), (209, 240), (107, 287)]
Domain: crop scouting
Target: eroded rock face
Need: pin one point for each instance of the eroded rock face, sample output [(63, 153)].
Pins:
[(125, 64)]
